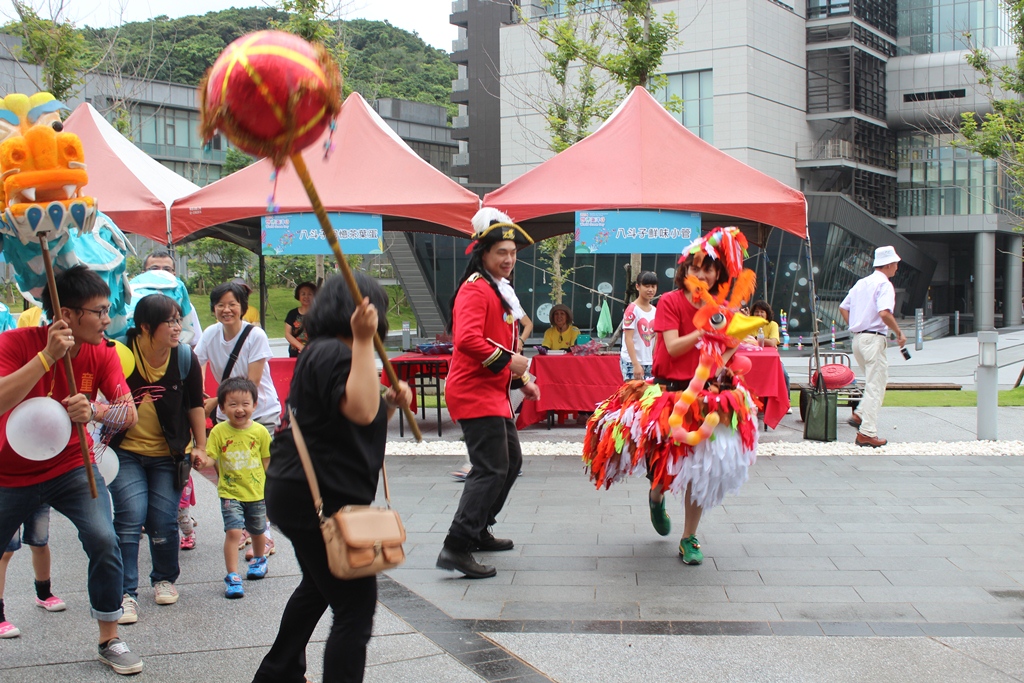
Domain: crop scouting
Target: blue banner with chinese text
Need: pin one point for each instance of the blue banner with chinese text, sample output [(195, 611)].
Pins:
[(635, 231), (292, 234)]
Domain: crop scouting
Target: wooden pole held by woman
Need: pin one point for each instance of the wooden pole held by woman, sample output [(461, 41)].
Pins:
[(357, 296)]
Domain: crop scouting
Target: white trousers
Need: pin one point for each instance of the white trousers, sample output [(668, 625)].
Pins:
[(869, 352)]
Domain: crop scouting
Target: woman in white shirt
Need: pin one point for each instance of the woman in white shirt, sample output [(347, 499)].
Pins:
[(229, 302), (638, 336)]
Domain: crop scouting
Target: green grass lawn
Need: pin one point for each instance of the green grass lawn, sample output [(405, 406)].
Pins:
[(938, 399), (280, 300)]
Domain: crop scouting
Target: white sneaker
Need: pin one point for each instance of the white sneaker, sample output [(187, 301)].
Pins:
[(130, 609), (166, 593)]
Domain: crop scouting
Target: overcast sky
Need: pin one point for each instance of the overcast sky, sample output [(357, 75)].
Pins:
[(428, 18)]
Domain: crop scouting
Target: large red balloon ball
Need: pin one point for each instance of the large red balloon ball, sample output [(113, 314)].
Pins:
[(271, 93), (740, 365)]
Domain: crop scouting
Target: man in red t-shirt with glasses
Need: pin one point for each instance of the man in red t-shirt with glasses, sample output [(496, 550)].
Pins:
[(31, 366)]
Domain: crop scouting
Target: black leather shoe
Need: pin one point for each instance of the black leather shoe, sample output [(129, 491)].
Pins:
[(463, 562), (488, 543)]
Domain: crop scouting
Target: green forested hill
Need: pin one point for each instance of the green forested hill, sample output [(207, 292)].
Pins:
[(383, 61)]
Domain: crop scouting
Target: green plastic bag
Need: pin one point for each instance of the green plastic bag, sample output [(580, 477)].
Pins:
[(604, 322), (820, 419)]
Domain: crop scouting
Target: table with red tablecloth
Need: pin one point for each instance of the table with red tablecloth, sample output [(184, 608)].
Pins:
[(281, 371), (573, 384), (579, 383), (421, 371), (767, 382)]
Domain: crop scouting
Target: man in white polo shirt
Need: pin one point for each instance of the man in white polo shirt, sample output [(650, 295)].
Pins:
[(867, 310)]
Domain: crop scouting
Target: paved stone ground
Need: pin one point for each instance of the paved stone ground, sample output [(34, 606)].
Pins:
[(822, 568), (884, 543)]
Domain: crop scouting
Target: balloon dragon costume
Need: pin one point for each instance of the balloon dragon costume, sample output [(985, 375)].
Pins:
[(42, 173), (704, 437)]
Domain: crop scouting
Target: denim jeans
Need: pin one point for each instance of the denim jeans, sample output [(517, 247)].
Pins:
[(239, 514), (68, 494), (35, 531), (144, 492), (627, 370)]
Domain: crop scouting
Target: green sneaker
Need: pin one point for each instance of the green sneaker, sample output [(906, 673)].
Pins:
[(659, 518), (689, 548)]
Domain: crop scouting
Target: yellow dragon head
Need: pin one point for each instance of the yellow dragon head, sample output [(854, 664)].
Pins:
[(42, 170)]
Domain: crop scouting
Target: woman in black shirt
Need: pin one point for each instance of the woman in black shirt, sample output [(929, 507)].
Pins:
[(336, 398), (294, 329)]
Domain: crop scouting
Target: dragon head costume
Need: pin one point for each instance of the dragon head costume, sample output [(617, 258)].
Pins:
[(42, 176)]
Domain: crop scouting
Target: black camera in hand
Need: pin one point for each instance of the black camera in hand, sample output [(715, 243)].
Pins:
[(906, 352)]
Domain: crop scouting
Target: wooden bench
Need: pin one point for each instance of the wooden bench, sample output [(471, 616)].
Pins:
[(902, 386)]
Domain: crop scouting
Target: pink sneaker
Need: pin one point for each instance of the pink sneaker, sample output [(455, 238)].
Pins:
[(188, 542), (8, 630), (249, 553), (52, 604), (246, 540)]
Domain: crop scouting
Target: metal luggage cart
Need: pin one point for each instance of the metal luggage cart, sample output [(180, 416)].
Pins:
[(850, 395)]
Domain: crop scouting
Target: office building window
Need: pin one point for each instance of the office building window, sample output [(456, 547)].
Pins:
[(696, 89), (938, 179), (930, 26)]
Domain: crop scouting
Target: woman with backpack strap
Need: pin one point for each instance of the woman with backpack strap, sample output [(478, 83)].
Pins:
[(155, 455)]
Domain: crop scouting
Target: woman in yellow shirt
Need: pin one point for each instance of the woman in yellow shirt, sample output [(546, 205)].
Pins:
[(770, 328), (562, 333)]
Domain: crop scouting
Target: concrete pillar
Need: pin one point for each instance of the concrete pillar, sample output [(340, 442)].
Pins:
[(984, 281), (1012, 290)]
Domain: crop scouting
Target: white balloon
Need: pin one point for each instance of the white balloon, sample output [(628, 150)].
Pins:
[(39, 428), (108, 464)]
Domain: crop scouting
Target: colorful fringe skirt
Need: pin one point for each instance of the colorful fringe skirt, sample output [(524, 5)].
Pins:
[(630, 434)]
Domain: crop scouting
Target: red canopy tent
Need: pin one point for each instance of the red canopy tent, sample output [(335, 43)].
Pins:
[(642, 158), (371, 170), (131, 187)]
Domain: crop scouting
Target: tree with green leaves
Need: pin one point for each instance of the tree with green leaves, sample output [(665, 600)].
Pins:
[(999, 134), (54, 44), (212, 261), (316, 21), (590, 48), (235, 160)]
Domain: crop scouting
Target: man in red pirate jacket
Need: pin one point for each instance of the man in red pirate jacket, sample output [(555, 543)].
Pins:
[(484, 368)]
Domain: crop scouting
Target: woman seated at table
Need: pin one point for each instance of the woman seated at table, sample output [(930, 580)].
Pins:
[(770, 329), (562, 333)]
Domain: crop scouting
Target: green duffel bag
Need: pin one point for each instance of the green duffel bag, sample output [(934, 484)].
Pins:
[(820, 421)]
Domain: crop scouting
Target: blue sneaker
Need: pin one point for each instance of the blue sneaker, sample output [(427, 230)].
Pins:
[(233, 586), (257, 568)]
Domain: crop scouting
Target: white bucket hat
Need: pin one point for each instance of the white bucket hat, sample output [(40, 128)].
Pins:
[(884, 256)]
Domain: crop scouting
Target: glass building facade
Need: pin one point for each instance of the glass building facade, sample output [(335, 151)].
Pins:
[(927, 26), (592, 277), (171, 136), (696, 89), (838, 258), (938, 179)]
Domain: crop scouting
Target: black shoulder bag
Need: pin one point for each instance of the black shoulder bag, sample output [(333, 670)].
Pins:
[(233, 358)]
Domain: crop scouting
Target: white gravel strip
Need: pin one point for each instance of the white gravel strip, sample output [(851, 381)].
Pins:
[(805, 448)]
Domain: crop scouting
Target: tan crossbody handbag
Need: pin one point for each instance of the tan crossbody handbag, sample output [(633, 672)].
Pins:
[(361, 540)]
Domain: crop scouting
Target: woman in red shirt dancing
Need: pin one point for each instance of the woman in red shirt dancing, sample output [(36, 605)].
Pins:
[(665, 427)]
